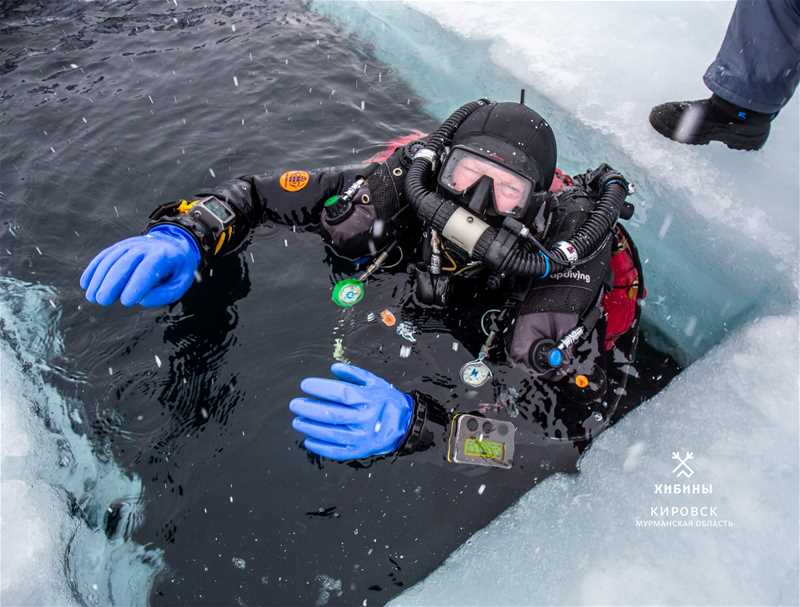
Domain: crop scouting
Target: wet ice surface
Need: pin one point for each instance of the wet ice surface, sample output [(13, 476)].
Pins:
[(718, 231)]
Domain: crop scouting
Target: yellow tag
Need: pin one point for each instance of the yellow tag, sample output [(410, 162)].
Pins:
[(185, 205), (221, 240), (294, 181)]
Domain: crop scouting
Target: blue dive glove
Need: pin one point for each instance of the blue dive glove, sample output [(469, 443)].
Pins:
[(354, 416), (151, 270)]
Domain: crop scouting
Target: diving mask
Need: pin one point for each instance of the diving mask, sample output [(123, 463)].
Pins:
[(485, 185)]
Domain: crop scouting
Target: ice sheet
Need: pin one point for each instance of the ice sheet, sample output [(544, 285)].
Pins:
[(54, 492)]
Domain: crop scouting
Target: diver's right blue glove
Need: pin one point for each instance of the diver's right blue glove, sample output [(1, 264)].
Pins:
[(356, 416), (152, 270)]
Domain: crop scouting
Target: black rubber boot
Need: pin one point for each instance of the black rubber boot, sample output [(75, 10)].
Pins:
[(713, 119)]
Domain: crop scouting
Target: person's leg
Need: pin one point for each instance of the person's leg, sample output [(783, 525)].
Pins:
[(758, 64), (754, 75)]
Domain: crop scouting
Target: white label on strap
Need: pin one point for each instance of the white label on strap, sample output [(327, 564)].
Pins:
[(568, 249), (427, 154)]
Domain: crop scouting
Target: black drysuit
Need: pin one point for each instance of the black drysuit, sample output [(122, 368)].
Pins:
[(536, 309)]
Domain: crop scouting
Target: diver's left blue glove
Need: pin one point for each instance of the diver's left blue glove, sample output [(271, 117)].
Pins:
[(357, 415)]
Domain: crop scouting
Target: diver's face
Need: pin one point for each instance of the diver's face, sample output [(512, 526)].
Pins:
[(509, 189)]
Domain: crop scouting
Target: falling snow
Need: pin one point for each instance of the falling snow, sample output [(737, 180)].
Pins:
[(665, 227), (690, 326)]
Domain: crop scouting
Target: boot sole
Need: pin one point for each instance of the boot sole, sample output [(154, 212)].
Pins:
[(732, 140)]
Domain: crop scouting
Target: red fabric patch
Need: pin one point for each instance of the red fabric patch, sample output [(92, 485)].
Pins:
[(560, 181), (396, 143), (621, 301)]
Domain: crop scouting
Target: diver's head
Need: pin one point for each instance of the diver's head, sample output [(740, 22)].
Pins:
[(501, 155)]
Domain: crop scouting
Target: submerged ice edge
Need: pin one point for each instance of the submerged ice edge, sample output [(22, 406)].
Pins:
[(713, 259), (59, 499)]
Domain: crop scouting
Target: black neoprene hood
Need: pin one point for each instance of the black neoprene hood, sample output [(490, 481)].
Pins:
[(515, 136)]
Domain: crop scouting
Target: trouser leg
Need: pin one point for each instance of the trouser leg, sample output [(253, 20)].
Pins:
[(758, 65)]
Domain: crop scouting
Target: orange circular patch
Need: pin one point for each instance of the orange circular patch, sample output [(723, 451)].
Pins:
[(581, 381), (388, 318), (294, 181)]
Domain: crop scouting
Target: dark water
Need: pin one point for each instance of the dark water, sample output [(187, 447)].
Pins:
[(106, 110)]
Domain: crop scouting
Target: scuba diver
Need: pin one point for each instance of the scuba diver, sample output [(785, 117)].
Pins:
[(483, 217)]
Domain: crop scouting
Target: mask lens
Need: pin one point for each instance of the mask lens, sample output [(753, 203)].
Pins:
[(464, 169)]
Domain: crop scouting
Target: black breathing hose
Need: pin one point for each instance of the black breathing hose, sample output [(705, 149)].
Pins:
[(604, 215), (429, 206), (587, 239)]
